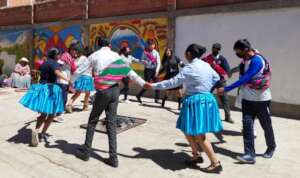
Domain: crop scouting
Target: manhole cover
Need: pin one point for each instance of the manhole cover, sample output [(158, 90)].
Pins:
[(124, 123)]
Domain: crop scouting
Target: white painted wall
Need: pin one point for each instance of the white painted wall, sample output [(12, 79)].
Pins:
[(275, 33)]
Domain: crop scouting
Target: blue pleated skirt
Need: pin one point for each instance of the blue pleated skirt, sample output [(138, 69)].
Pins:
[(44, 98), (199, 115), (84, 83)]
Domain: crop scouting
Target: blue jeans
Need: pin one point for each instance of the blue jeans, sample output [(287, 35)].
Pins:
[(261, 110)]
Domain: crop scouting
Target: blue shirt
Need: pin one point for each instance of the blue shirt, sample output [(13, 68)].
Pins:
[(197, 77), (255, 67), (48, 71)]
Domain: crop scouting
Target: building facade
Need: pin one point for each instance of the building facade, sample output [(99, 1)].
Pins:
[(271, 25)]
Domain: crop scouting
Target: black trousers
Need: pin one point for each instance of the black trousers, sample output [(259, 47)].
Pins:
[(261, 110), (65, 91), (224, 100), (126, 87), (149, 76), (107, 101)]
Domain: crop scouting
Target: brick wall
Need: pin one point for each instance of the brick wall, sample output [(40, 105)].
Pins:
[(64, 10), (21, 16), (3, 3), (187, 4), (15, 3), (59, 10), (106, 8)]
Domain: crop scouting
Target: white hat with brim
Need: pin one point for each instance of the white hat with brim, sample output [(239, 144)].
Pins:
[(24, 59)]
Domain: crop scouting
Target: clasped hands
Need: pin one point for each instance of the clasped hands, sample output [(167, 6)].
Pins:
[(221, 91), (148, 86)]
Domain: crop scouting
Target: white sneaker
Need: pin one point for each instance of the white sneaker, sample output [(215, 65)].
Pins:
[(59, 119), (254, 133), (126, 101), (34, 138)]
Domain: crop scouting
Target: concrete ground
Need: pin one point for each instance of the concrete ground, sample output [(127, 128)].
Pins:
[(155, 149)]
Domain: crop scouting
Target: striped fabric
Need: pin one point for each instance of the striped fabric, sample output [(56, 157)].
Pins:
[(111, 75), (67, 58)]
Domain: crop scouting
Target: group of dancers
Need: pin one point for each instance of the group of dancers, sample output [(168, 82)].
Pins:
[(104, 69)]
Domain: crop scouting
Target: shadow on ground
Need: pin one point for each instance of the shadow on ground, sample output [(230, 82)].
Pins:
[(166, 158), (23, 136)]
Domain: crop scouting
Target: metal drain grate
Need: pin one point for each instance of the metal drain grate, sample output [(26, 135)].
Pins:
[(124, 123)]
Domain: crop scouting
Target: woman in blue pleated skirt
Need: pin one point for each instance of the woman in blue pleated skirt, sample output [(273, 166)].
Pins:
[(45, 97), (200, 112), (84, 82)]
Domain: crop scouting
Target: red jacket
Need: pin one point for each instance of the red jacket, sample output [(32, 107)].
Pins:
[(211, 60)]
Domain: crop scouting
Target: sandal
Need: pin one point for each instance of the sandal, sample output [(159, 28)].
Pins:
[(214, 168)]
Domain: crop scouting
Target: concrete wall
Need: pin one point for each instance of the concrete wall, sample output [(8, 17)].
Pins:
[(274, 32)]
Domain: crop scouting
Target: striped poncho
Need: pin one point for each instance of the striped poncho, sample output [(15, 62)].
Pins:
[(111, 75)]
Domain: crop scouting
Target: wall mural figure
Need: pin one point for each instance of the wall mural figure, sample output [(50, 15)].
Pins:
[(132, 33), (55, 36), (13, 46)]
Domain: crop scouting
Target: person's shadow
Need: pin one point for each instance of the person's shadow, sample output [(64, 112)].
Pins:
[(23, 136), (166, 158), (220, 135), (172, 111), (71, 148), (216, 148)]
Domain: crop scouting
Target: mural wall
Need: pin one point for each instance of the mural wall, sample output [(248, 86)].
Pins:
[(13, 46), (59, 36), (132, 33)]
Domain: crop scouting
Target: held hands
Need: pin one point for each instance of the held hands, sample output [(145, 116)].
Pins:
[(148, 86), (226, 77), (220, 91)]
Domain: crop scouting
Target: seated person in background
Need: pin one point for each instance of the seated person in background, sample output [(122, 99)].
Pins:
[(3, 80), (21, 75)]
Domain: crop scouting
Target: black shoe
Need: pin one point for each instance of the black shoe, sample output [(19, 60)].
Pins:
[(83, 154), (163, 102), (229, 120), (113, 162), (269, 153), (156, 101), (179, 101), (213, 169), (193, 162), (139, 99)]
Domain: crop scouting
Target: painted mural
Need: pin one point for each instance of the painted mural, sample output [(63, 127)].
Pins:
[(55, 36), (132, 33), (13, 46)]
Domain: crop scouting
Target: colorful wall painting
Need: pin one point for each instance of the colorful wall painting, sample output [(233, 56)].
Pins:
[(132, 33), (58, 36), (13, 46)]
